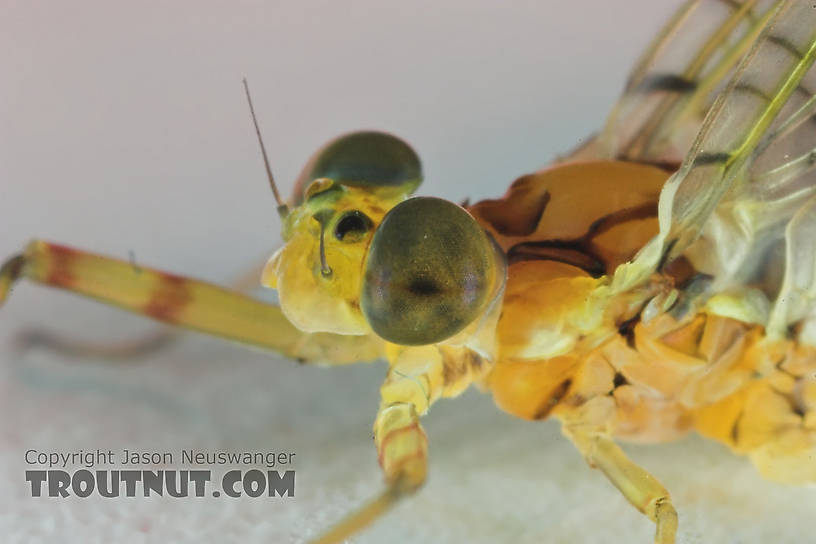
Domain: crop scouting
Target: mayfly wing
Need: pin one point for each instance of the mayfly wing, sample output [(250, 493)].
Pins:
[(676, 79), (735, 155), (749, 170)]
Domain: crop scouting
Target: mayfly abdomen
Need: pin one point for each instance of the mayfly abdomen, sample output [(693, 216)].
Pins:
[(772, 416), (728, 381), (754, 394), (713, 374)]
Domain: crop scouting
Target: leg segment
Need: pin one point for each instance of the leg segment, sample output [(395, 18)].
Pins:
[(638, 486), (181, 301), (414, 382), (124, 350), (402, 447), (403, 455)]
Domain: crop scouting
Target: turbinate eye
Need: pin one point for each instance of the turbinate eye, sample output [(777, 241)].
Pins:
[(352, 226), (428, 272), (364, 159)]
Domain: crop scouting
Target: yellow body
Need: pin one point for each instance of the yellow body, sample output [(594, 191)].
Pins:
[(649, 286), (555, 340), (656, 380)]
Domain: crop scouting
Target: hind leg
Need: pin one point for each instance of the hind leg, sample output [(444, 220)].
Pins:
[(640, 488)]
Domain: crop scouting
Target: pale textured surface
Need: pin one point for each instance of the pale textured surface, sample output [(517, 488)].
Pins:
[(124, 130)]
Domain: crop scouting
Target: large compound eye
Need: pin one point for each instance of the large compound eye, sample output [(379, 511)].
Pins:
[(428, 272), (364, 159)]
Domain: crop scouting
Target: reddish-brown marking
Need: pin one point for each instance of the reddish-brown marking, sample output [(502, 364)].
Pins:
[(633, 213), (170, 298), (669, 166), (413, 426), (581, 252), (59, 271), (419, 454), (13, 267), (522, 219), (680, 270), (450, 368), (456, 365), (735, 427), (556, 396)]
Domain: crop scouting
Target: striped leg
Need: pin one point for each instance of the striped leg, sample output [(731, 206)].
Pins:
[(181, 301), (124, 350), (414, 382)]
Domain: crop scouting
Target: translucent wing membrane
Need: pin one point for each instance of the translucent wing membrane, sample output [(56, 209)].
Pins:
[(676, 80), (741, 203), (733, 138)]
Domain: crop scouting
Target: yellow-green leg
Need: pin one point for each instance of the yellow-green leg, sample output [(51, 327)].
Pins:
[(638, 486), (181, 301), (123, 350), (414, 382)]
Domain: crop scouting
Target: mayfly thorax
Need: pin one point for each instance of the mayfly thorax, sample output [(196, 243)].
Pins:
[(659, 279)]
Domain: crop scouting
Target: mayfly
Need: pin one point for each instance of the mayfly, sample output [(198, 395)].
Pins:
[(683, 298)]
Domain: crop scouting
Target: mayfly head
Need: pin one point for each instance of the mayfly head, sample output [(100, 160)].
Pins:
[(360, 256), (340, 198)]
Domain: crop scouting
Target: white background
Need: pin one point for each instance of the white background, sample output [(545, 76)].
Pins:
[(124, 130)]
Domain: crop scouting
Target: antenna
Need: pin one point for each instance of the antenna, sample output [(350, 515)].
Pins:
[(282, 209)]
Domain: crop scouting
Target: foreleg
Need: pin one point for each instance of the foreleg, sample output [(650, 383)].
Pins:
[(121, 350), (181, 301)]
